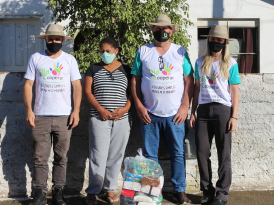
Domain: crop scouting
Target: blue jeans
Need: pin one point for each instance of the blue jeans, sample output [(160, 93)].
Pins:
[(174, 137)]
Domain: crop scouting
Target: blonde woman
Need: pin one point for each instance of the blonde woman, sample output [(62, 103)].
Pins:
[(217, 94)]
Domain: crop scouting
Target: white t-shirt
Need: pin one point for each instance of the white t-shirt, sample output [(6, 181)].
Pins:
[(53, 82), (214, 88), (162, 78)]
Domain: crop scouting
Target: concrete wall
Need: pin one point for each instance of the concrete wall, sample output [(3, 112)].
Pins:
[(23, 9), (252, 148), (253, 141), (262, 10)]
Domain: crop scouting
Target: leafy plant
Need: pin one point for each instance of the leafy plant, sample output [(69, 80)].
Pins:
[(125, 20)]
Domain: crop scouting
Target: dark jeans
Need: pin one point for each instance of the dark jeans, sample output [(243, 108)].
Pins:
[(174, 137), (212, 120), (48, 130)]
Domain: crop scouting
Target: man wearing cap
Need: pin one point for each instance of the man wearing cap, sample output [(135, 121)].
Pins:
[(53, 117), (162, 87)]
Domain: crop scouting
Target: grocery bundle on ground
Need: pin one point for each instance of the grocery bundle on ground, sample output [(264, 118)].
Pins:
[(143, 181)]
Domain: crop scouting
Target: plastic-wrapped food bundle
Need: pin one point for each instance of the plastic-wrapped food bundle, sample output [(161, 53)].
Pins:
[(143, 181)]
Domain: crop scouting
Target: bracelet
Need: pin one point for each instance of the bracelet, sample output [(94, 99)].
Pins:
[(234, 118)]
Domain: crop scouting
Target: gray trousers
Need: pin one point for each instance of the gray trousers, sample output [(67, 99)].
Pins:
[(107, 144), (50, 130), (212, 120)]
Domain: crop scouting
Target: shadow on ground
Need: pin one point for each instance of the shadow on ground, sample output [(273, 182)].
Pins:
[(235, 198)]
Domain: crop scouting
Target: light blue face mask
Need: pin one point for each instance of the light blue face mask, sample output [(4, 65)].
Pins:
[(108, 58)]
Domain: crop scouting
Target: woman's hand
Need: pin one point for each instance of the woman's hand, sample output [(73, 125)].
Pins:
[(232, 124), (192, 121), (105, 114), (118, 113)]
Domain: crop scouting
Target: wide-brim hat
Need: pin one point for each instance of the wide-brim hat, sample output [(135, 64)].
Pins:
[(54, 30), (219, 32), (163, 20)]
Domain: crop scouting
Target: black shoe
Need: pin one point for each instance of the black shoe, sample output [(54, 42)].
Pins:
[(207, 198), (181, 198), (218, 202), (39, 197), (57, 197)]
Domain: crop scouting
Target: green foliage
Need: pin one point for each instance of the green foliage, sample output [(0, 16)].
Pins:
[(125, 20)]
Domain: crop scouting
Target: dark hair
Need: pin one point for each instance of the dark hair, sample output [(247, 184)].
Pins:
[(109, 40)]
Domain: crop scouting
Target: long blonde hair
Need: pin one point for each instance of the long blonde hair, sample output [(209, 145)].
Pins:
[(224, 62)]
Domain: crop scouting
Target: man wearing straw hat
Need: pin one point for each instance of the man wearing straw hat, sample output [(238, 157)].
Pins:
[(53, 117), (162, 87)]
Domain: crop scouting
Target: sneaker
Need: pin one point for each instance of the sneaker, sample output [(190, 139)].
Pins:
[(207, 198), (57, 197), (218, 202), (39, 197)]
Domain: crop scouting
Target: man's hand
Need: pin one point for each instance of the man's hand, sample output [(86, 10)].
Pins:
[(74, 119), (232, 124), (118, 113), (180, 116), (105, 114), (30, 119), (192, 121), (27, 99), (143, 114)]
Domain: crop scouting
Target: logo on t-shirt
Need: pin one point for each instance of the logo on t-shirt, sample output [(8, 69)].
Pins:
[(166, 70), (57, 69), (212, 79)]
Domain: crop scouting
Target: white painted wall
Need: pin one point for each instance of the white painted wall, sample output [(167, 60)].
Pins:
[(22, 10), (237, 9), (252, 142)]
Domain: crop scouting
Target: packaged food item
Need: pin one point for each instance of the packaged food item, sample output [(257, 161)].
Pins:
[(150, 180), (142, 198), (146, 203), (124, 200), (145, 189), (136, 186), (128, 193), (133, 177), (128, 185), (155, 191), (143, 180), (158, 200)]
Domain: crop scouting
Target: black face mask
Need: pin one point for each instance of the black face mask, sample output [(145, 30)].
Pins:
[(54, 47), (215, 46), (161, 35)]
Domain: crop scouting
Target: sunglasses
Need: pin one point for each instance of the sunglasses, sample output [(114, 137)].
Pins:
[(161, 63)]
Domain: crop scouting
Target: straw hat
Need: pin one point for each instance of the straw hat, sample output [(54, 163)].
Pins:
[(54, 30), (219, 32), (163, 20)]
